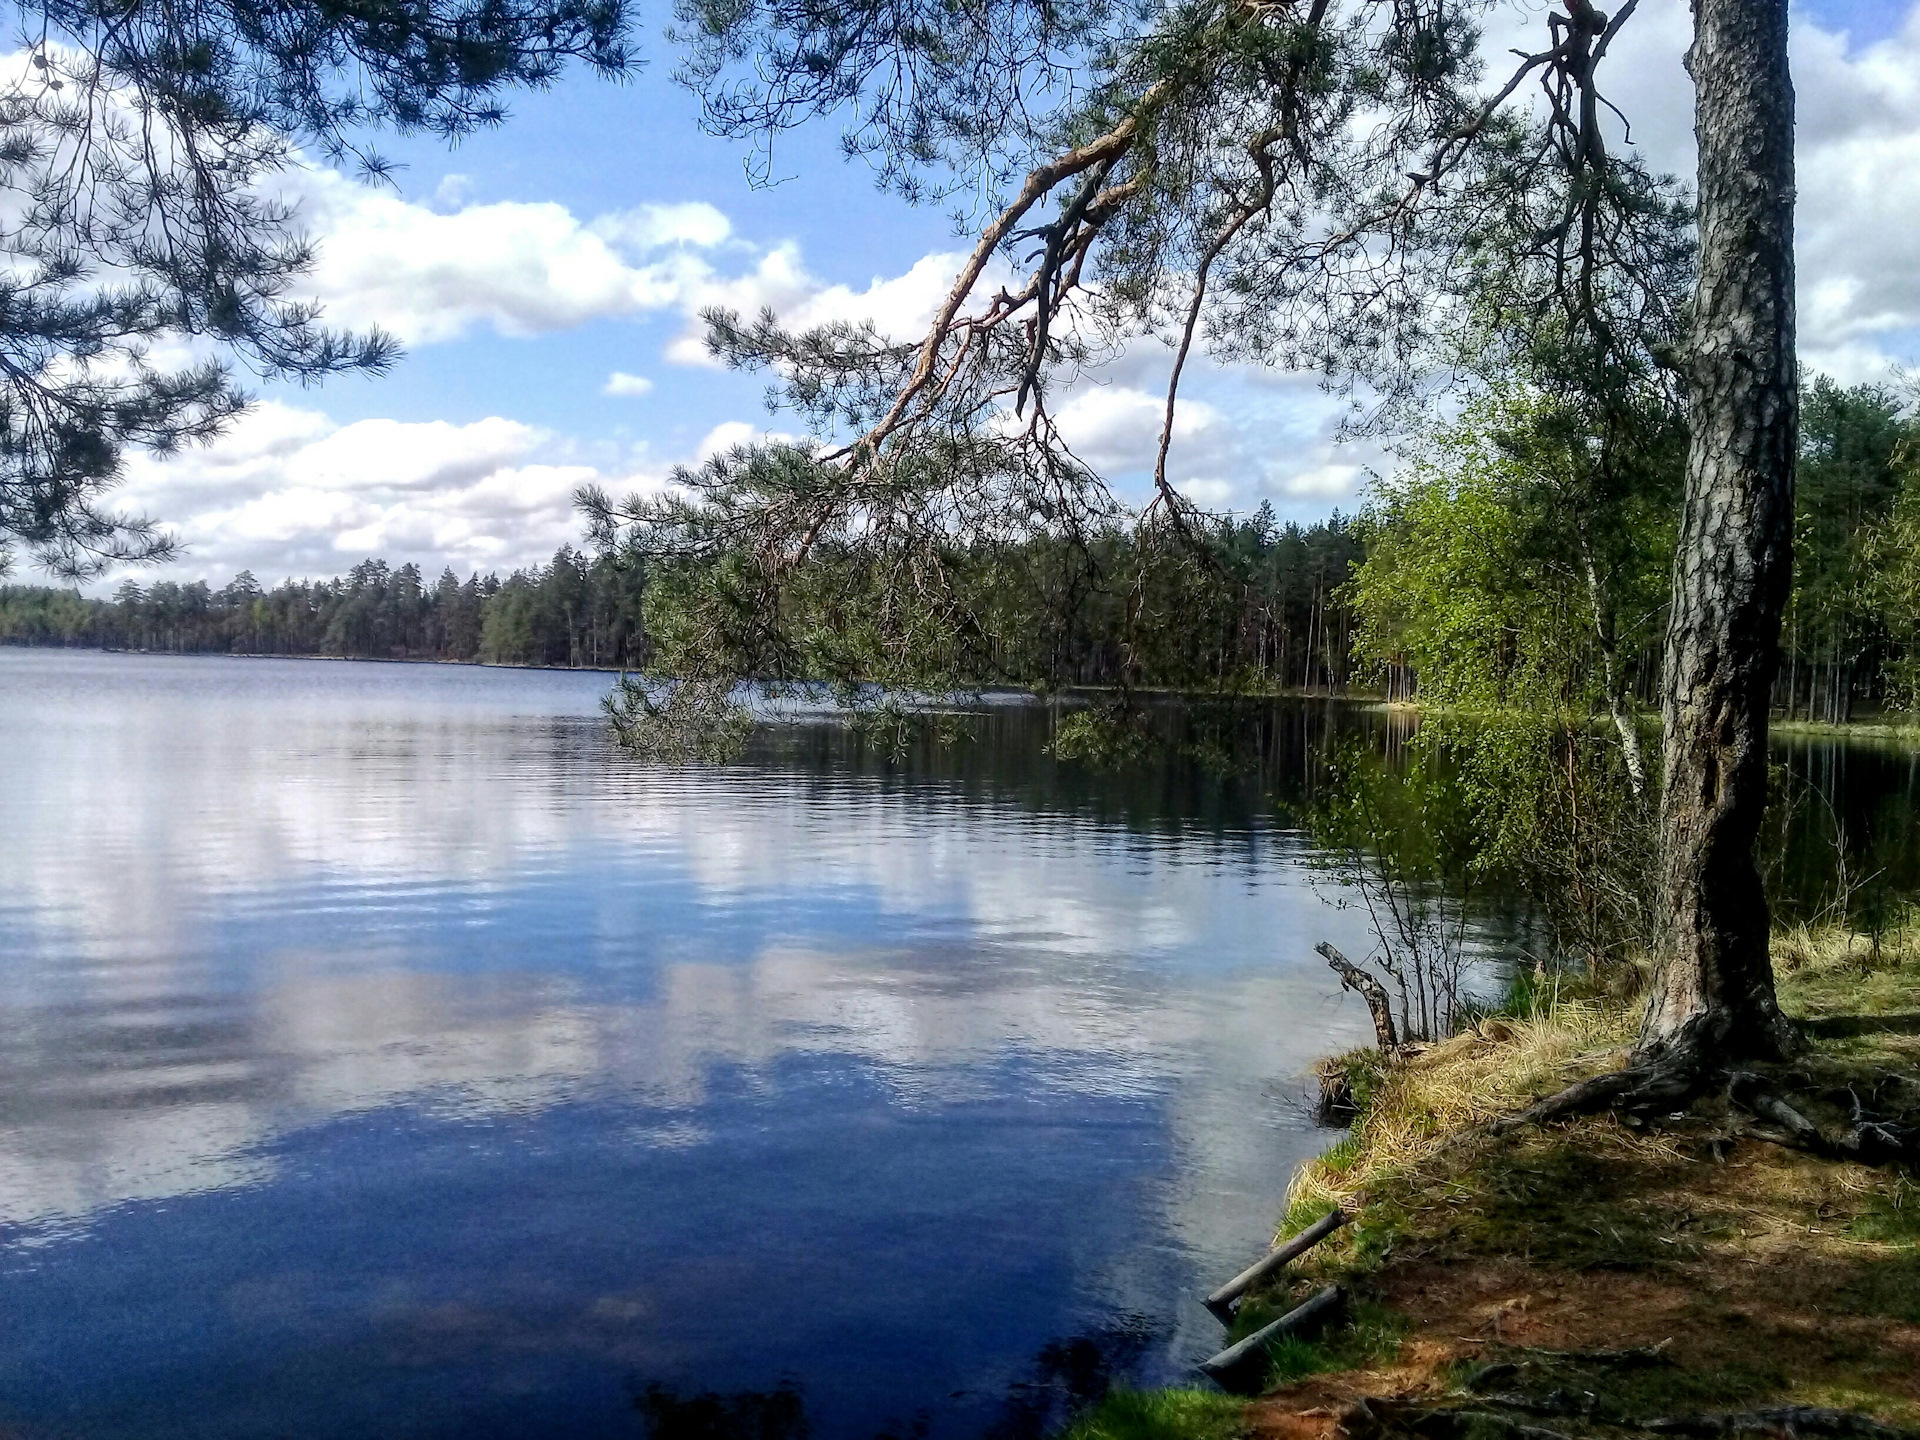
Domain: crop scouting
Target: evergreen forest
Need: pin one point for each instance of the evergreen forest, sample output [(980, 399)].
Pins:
[(1457, 566)]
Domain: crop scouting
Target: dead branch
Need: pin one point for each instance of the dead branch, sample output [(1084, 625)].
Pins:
[(1352, 977)]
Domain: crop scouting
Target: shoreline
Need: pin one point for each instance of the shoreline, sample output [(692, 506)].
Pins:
[(330, 659), (1876, 727), (1592, 1277)]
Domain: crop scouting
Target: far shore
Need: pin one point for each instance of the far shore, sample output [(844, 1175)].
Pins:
[(1873, 726)]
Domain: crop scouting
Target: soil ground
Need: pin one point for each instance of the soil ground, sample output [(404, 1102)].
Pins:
[(1590, 1277)]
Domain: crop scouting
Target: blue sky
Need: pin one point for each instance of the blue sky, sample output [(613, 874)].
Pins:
[(528, 266), (597, 148)]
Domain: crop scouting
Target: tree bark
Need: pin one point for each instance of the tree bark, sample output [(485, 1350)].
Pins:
[(1713, 988)]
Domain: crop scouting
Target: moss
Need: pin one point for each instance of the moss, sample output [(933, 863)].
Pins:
[(1162, 1415), (1636, 1387), (1892, 1218), (1889, 1289)]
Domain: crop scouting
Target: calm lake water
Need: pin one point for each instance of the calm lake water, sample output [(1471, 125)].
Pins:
[(384, 1055)]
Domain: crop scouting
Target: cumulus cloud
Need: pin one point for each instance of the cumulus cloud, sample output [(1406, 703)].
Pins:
[(621, 383), (434, 273), (1116, 429), (1857, 139), (900, 307), (520, 268), (437, 271), (1254, 438), (654, 227), (290, 492), (1858, 246)]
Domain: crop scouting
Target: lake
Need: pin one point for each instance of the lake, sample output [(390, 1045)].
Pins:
[(384, 1054)]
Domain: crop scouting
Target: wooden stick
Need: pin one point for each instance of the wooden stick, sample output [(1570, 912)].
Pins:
[(1234, 1356), (1352, 977), (1220, 1299)]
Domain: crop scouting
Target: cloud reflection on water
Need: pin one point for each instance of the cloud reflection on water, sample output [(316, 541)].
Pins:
[(246, 901)]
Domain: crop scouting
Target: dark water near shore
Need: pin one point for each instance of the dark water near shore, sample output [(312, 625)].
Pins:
[(1857, 799), (382, 1055)]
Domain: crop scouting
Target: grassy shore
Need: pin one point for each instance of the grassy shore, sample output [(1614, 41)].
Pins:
[(1890, 729), (1590, 1276)]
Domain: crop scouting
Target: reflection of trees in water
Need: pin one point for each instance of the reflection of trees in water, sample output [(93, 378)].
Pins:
[(1068, 1376), (776, 1414), (1222, 761), (1207, 762), (1065, 1378)]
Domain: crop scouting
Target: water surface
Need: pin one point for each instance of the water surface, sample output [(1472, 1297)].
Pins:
[(382, 1054)]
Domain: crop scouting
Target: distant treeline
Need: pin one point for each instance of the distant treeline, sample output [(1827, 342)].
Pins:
[(1852, 631), (1267, 613), (574, 611), (1256, 605)]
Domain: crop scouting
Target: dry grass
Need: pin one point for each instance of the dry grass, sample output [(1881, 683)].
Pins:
[(1411, 1109), (1847, 949), (1775, 1277), (1763, 1276)]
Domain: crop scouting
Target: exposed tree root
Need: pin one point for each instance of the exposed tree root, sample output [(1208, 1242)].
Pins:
[(1786, 1420), (1676, 1081), (1495, 1418)]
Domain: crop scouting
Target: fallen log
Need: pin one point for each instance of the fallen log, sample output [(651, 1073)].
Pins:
[(1220, 1302), (1229, 1364)]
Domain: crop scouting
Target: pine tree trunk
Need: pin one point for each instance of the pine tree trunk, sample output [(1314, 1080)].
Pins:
[(1713, 992)]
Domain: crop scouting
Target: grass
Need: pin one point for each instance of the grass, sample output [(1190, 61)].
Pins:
[(1370, 1333), (1754, 1275), (1775, 1278), (1830, 974), (1163, 1415), (1409, 1111), (1901, 730)]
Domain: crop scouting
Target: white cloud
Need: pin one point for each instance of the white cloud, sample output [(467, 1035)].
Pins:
[(1116, 428), (1857, 153), (289, 492), (523, 269), (431, 274), (621, 383), (1331, 480), (1858, 161), (452, 192), (655, 227), (1257, 437), (901, 308)]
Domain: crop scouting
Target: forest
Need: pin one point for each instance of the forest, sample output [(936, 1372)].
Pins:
[(574, 611), (1456, 552), (1641, 1164), (1272, 615), (1498, 563)]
